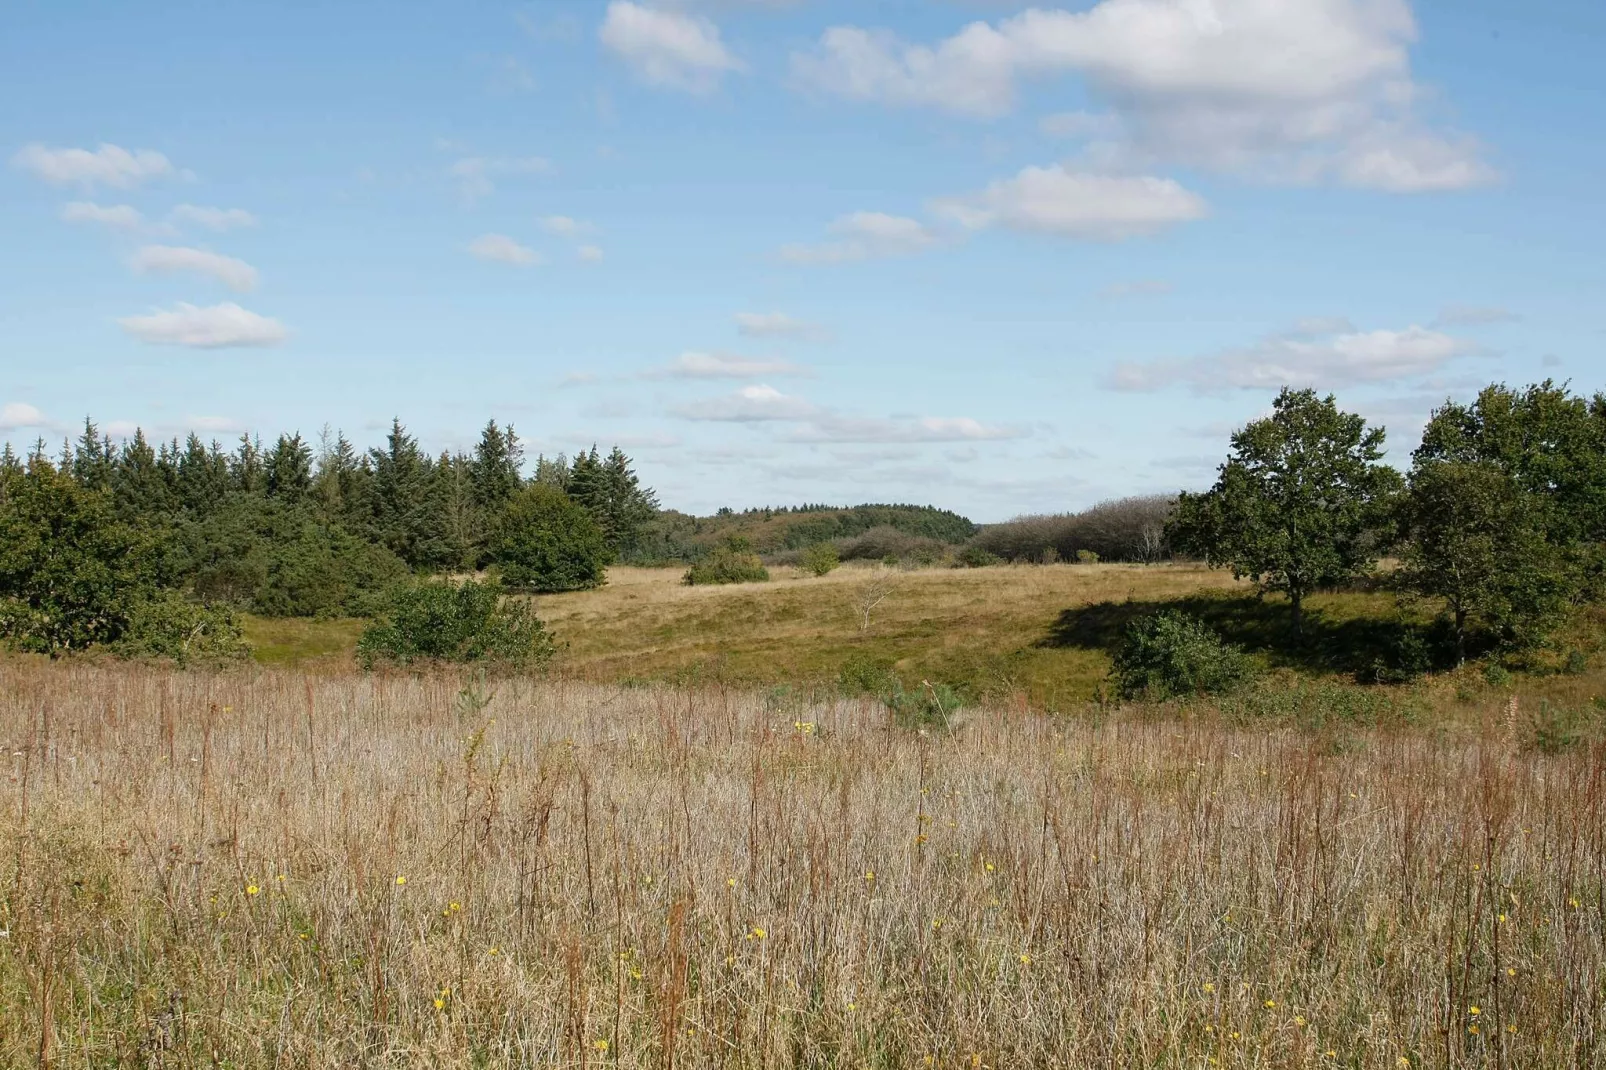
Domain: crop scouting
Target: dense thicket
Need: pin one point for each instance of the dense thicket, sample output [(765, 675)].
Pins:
[(675, 536), (1123, 529), (287, 530)]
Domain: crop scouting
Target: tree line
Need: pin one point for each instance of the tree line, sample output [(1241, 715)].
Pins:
[(90, 536), (1501, 519)]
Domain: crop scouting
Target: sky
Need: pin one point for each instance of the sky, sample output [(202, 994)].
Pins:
[(997, 258)]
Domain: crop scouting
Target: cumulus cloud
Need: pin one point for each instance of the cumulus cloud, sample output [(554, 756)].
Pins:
[(778, 325), (667, 48), (16, 415), (1071, 204), (116, 216), (501, 249), (1323, 361), (109, 165), (213, 327), (722, 366), (165, 259), (1303, 90), (864, 236), (219, 219), (751, 404)]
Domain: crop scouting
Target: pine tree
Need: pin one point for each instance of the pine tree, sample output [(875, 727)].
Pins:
[(245, 467), (92, 460), (139, 486), (203, 476), (403, 515), (611, 492), (288, 469), (553, 473), (496, 467)]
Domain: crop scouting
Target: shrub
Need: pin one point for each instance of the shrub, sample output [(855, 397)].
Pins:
[(821, 558), (546, 541), (70, 574), (975, 557), (880, 543), (168, 625), (466, 623), (1172, 653), (281, 559), (1086, 557), (1127, 529), (727, 565)]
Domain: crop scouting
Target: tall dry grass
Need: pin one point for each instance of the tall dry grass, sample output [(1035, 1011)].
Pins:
[(277, 870)]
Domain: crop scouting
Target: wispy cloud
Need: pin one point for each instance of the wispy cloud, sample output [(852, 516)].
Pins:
[(696, 365), (865, 236), (219, 219), (165, 259), (116, 216), (665, 48), (501, 249), (108, 165), (779, 325)]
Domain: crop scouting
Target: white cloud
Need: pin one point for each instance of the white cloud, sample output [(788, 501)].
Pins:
[(1300, 359), (501, 249), (474, 173), (1079, 124), (750, 404), (722, 366), (863, 236), (1473, 316), (108, 165), (1137, 288), (214, 424), (667, 48), (1072, 204), (212, 218), (213, 327), (564, 226), (835, 428), (1285, 90), (778, 325), (16, 415), (116, 216), (236, 274), (576, 379), (591, 254)]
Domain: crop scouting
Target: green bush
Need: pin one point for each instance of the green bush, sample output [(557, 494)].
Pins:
[(70, 573), (466, 623), (727, 566), (1086, 557), (1172, 653), (281, 559), (976, 557), (821, 558), (546, 541), (168, 625)]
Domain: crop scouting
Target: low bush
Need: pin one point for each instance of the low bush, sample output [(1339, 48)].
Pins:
[(1173, 654), (880, 543), (168, 625), (976, 557), (470, 622), (548, 542), (727, 566), (820, 559)]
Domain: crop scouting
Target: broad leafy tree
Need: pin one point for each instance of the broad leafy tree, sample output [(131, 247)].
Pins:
[(546, 541), (1298, 503)]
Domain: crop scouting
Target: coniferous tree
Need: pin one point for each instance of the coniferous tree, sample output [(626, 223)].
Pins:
[(404, 519), (139, 484), (496, 467), (203, 476), (553, 473), (246, 472), (462, 521), (288, 470), (92, 460)]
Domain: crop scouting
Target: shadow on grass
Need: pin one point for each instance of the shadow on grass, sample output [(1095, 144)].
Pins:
[(1371, 647)]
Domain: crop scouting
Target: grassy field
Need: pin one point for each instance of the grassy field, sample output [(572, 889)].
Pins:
[(274, 869), (1042, 632)]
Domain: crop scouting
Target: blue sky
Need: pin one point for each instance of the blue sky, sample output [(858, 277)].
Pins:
[(996, 258)]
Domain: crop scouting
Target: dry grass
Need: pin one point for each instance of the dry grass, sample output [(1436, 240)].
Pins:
[(267, 869), (983, 628)]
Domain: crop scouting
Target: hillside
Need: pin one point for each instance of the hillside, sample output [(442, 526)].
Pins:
[(676, 536)]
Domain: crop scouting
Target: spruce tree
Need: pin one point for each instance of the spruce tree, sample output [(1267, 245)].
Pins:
[(496, 467), (245, 467), (288, 470), (92, 460)]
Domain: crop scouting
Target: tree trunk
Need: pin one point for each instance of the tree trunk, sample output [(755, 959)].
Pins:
[(1297, 598), (1460, 636)]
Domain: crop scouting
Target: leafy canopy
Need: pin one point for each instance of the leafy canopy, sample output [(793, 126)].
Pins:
[(1299, 503)]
